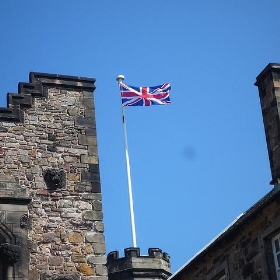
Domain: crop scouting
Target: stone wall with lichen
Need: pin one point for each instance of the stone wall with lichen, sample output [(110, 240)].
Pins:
[(48, 154)]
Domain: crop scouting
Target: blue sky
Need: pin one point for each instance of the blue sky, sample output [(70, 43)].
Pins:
[(196, 164)]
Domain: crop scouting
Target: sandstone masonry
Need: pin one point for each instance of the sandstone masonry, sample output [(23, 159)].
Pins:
[(50, 196)]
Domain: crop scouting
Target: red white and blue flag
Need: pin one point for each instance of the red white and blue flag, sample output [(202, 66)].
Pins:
[(145, 96)]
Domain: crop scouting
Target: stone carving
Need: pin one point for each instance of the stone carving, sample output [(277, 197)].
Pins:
[(55, 179), (25, 222), (9, 252)]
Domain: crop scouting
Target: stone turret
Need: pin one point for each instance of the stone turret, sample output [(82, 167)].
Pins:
[(155, 266), (50, 197), (268, 82)]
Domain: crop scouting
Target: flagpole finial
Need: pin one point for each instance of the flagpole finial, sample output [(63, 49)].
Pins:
[(120, 78)]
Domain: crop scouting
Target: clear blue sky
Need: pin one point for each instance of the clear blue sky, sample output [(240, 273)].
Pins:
[(196, 164)]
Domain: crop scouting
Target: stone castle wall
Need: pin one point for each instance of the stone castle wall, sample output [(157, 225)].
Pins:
[(49, 166), (245, 254)]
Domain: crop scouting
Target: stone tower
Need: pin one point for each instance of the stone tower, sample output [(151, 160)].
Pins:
[(268, 82), (133, 266), (50, 199)]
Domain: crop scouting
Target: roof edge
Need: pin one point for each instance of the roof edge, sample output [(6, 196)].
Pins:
[(238, 222)]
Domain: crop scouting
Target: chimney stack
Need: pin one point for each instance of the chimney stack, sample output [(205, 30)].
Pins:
[(268, 83)]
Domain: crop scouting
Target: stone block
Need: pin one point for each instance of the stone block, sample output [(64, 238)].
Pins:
[(55, 261), (65, 203), (55, 275), (91, 131), (91, 215), (78, 258), (70, 213), (34, 274), (71, 159), (95, 187), (97, 205), (99, 226), (94, 168), (73, 177), (68, 101), (75, 237), (14, 217), (92, 196), (82, 205), (92, 259), (85, 122), (99, 248), (97, 278), (90, 177), (51, 237), (85, 269), (93, 237), (92, 151), (6, 178), (24, 158), (89, 159), (88, 95), (87, 104), (88, 249), (101, 270), (89, 112), (87, 140)]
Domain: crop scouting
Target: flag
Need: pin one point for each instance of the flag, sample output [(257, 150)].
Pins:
[(145, 96)]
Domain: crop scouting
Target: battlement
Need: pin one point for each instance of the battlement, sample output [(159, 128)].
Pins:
[(135, 252), (155, 265), (270, 68), (36, 87)]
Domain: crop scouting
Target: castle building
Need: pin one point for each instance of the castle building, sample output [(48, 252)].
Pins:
[(50, 197), (249, 248), (51, 221)]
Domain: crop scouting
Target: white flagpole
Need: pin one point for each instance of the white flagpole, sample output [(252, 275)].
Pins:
[(120, 78)]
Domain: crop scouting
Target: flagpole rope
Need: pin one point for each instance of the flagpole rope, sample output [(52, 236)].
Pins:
[(120, 78)]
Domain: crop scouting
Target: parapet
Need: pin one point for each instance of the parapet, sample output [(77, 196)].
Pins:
[(155, 265), (37, 88)]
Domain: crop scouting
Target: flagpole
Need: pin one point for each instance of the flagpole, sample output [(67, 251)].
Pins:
[(120, 78)]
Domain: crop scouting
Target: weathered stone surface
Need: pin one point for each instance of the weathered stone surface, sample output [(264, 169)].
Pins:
[(73, 177), (90, 177), (85, 269), (99, 226), (97, 205), (99, 248), (75, 237), (78, 258), (51, 133), (93, 237), (87, 140), (55, 261), (89, 159), (101, 270), (85, 122), (93, 215), (82, 205), (96, 260), (51, 237)]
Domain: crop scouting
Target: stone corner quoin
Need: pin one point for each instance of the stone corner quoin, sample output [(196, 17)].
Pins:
[(49, 179)]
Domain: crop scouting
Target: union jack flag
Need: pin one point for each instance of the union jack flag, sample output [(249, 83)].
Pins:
[(145, 96)]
